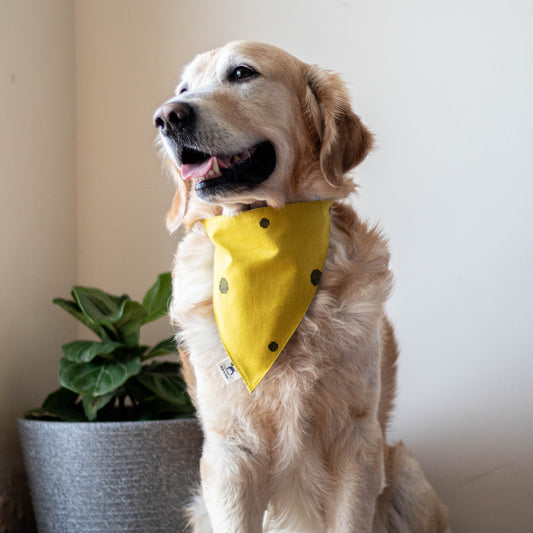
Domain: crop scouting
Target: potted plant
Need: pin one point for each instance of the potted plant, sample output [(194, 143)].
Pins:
[(116, 447)]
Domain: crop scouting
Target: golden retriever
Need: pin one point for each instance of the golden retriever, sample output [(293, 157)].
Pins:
[(252, 126)]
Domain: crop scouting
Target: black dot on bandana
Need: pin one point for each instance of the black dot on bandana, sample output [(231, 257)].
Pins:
[(223, 286), (315, 277), (264, 223), (273, 346)]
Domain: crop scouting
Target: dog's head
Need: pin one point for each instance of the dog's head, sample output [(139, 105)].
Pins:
[(251, 125)]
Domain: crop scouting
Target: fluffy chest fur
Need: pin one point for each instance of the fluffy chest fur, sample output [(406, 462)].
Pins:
[(326, 379)]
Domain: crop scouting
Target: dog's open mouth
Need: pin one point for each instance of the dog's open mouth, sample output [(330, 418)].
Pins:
[(215, 174)]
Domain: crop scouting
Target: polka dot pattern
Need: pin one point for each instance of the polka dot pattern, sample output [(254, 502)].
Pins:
[(264, 223), (273, 346), (315, 277), (223, 286)]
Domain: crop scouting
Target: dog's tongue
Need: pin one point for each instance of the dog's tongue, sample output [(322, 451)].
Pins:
[(200, 170), (197, 170)]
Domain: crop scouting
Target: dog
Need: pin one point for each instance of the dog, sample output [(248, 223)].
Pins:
[(252, 127)]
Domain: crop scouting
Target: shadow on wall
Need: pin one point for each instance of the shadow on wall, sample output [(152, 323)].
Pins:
[(485, 480)]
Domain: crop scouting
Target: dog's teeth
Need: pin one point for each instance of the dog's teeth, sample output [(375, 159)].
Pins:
[(215, 168)]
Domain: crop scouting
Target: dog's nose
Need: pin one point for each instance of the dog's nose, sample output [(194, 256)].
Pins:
[(172, 117)]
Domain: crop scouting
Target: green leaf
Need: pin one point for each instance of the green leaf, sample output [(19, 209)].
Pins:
[(86, 351), (166, 347), (129, 325), (74, 309), (99, 377), (61, 398), (139, 350), (165, 382), (57, 413), (59, 405), (157, 298), (91, 404), (99, 306)]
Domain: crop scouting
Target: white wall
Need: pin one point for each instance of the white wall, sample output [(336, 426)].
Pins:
[(37, 215), (446, 87)]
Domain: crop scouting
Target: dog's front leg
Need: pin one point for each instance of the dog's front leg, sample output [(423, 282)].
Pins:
[(233, 486), (358, 460)]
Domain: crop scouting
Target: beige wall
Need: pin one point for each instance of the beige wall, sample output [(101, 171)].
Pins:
[(38, 215), (122, 196), (447, 89)]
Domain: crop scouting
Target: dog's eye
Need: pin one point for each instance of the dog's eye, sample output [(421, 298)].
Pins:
[(184, 89), (242, 72)]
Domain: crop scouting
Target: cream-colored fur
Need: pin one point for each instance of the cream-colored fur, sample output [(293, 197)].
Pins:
[(306, 452)]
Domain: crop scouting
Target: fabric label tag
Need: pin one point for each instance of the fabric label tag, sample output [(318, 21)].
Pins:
[(228, 371)]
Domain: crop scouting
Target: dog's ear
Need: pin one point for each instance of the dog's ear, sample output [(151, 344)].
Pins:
[(178, 208), (344, 140)]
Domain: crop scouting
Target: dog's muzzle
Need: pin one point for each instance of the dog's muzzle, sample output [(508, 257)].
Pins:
[(173, 117), (215, 174)]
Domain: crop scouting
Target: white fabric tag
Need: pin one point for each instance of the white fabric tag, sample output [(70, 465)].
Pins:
[(228, 371)]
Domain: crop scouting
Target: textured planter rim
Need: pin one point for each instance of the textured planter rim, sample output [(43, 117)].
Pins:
[(92, 477), (96, 423)]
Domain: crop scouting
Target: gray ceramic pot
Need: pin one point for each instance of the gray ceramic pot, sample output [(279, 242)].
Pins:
[(111, 477)]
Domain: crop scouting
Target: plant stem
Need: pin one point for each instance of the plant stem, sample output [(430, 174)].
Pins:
[(122, 406), (134, 404)]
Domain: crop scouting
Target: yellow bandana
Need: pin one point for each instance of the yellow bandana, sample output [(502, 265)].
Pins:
[(268, 263)]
